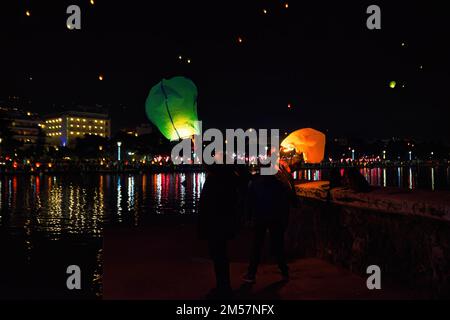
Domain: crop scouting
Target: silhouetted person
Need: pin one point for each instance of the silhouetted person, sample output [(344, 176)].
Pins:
[(354, 180), (335, 178), (218, 222), (269, 201)]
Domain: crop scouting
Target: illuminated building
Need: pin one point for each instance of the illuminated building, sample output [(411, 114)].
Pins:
[(24, 126), (64, 128)]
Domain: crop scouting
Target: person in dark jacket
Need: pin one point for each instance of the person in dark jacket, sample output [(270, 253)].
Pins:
[(269, 201), (354, 180), (218, 222)]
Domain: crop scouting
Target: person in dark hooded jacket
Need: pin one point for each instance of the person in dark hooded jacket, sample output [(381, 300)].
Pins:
[(269, 200), (218, 221)]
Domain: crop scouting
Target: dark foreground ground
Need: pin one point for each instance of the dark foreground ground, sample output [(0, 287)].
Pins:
[(168, 262)]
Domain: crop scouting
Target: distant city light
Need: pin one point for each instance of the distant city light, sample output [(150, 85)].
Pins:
[(119, 144)]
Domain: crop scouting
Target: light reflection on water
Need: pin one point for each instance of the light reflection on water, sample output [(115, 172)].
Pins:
[(425, 178), (36, 211), (59, 206), (64, 205)]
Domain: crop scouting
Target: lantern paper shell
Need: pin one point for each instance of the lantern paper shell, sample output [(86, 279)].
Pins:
[(308, 141), (172, 107)]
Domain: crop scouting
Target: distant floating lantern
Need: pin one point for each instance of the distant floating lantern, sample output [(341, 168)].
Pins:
[(392, 84), (172, 107), (309, 142)]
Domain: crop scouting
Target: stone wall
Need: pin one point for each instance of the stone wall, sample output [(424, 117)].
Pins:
[(405, 233)]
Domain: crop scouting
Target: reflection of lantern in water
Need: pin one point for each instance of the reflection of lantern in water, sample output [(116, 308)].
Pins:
[(309, 142), (172, 107)]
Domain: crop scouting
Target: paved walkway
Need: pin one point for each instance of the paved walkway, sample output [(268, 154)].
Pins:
[(170, 263)]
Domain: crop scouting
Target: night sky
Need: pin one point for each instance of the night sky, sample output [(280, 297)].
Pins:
[(249, 65)]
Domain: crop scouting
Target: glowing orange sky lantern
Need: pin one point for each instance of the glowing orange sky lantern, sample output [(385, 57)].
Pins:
[(309, 142)]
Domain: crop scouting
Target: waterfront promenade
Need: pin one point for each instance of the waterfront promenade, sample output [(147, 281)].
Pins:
[(170, 263)]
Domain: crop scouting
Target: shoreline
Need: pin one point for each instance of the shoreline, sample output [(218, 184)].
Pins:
[(77, 169)]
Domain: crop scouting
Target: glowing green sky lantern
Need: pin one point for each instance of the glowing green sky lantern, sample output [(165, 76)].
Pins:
[(172, 107), (392, 84)]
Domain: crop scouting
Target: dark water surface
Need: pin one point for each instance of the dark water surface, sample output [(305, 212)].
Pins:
[(50, 222)]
